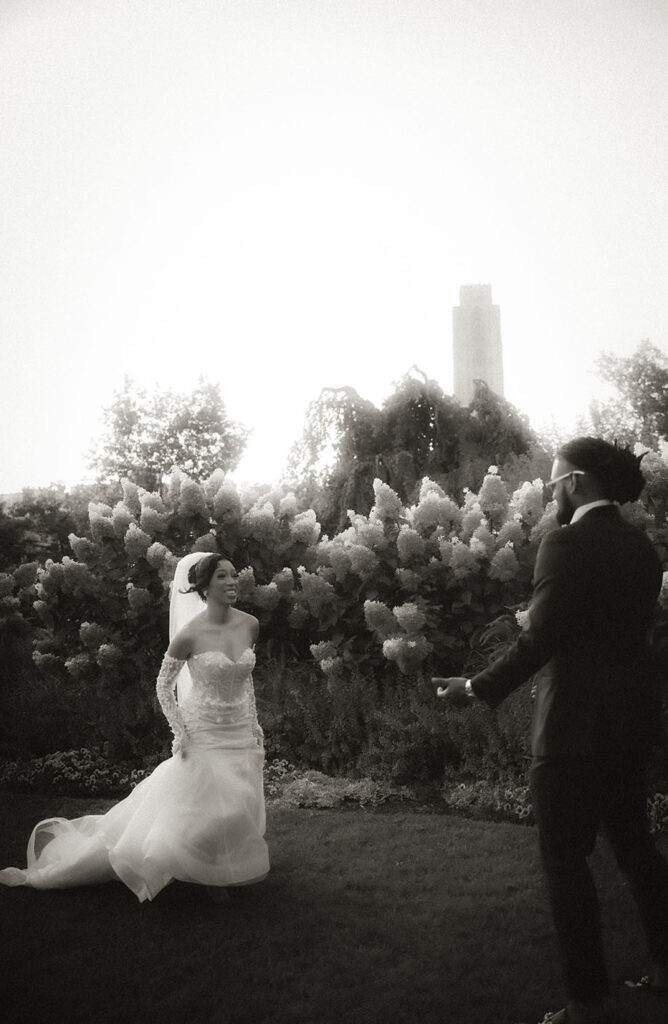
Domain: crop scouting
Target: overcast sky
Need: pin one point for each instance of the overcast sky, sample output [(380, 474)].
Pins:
[(284, 195)]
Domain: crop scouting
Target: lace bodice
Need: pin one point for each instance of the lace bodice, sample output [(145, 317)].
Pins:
[(222, 689), (222, 694)]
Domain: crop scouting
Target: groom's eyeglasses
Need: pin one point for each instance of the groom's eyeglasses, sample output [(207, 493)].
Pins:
[(572, 472)]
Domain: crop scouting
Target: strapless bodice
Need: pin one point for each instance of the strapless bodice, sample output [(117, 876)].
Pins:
[(221, 687)]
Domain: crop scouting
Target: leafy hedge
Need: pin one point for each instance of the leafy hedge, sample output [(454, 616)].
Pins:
[(353, 626)]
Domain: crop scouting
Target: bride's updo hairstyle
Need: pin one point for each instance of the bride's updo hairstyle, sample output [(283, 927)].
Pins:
[(617, 470), (201, 573)]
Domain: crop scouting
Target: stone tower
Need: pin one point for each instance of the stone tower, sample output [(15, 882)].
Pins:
[(476, 331)]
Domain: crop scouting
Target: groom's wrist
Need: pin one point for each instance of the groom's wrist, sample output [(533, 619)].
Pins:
[(468, 690)]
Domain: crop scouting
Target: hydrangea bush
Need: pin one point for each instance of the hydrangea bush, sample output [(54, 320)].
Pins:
[(353, 625)]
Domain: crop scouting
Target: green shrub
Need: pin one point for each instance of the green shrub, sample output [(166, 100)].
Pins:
[(352, 627)]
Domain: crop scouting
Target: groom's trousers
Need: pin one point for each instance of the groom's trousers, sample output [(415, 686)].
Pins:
[(572, 799)]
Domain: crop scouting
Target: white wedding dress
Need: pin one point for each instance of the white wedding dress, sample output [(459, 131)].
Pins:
[(198, 818)]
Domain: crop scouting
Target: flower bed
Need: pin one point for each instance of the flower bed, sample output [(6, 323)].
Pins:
[(89, 773)]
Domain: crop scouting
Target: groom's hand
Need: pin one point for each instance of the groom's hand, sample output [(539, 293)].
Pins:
[(452, 689)]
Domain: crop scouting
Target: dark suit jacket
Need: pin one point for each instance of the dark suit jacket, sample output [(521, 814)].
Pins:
[(595, 589)]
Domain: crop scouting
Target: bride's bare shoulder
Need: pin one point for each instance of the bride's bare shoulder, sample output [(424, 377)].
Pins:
[(182, 644), (249, 621)]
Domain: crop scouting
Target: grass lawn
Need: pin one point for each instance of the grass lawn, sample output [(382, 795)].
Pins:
[(394, 918)]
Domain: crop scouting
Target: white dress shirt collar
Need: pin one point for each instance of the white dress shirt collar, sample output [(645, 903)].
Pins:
[(583, 509)]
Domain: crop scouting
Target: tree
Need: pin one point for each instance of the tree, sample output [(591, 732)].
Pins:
[(13, 543), (418, 432), (333, 465), (494, 433), (146, 434), (421, 433), (639, 411)]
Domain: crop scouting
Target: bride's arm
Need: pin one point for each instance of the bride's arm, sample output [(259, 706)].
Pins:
[(172, 663), (256, 728)]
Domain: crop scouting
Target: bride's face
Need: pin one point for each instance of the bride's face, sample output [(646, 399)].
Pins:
[(224, 584)]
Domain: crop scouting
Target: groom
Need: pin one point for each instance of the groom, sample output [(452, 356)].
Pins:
[(596, 712)]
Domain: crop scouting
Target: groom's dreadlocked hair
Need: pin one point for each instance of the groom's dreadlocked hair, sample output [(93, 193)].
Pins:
[(616, 469)]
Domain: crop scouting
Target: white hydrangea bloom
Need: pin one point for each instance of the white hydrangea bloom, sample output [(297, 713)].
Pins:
[(226, 503), (50, 578), (206, 542), (176, 477), (504, 565), (260, 522), (151, 499), (387, 503), (493, 499), (213, 484), (288, 505), (92, 635), (121, 518), (471, 520), (78, 666), (108, 656), (463, 562), (429, 486), (192, 502), (325, 649), (392, 647), (101, 523), (331, 665), (315, 591), (446, 548), (42, 610), (332, 552), (511, 532), (379, 618), (434, 510), (409, 654), (409, 543), (304, 528), (45, 659), (483, 536), (408, 579), (131, 496), (363, 530), (136, 542), (245, 584), (363, 562), (410, 617), (138, 597), (478, 548), (83, 548), (76, 577), (285, 582), (156, 555), (527, 502), (152, 521)]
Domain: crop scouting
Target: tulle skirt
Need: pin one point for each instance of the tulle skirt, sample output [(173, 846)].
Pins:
[(196, 819)]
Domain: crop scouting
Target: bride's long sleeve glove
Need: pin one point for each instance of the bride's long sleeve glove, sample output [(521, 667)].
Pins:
[(164, 688)]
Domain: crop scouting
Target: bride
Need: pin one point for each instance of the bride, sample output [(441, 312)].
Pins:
[(199, 817)]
